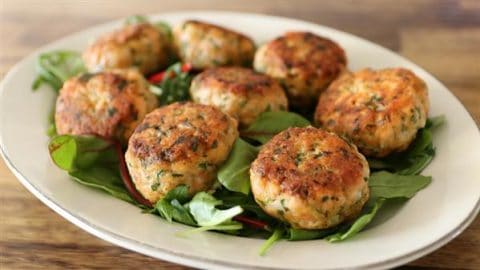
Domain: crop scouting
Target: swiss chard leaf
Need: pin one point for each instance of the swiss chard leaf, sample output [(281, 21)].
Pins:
[(203, 209), (55, 67), (358, 225), (234, 173), (388, 185), (174, 86), (268, 124)]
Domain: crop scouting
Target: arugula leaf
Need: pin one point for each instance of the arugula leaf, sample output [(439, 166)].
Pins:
[(105, 179), (388, 185), (268, 124), (202, 208), (234, 173), (174, 86), (358, 225), (55, 67)]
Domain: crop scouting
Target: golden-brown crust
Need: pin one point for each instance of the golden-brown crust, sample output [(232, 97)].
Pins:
[(318, 178), (139, 45), (303, 62), (109, 104), (182, 143), (237, 80), (240, 92), (306, 161), (380, 111), (206, 45)]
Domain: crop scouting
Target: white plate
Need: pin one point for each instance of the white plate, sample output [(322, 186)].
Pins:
[(426, 222)]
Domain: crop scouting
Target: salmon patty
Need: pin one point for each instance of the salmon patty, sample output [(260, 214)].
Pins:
[(379, 110), (239, 92), (179, 144), (310, 178)]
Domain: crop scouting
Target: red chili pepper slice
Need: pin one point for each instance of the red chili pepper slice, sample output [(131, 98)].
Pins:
[(158, 77)]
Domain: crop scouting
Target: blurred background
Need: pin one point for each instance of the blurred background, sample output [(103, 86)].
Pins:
[(442, 36)]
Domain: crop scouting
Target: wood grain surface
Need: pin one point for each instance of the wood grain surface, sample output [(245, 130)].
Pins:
[(441, 36)]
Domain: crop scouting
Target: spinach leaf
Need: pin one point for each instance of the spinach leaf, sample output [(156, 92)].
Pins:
[(70, 152), (268, 124), (358, 225), (418, 155), (231, 199), (105, 179), (174, 86), (202, 208), (228, 227), (234, 173), (300, 234), (170, 207), (388, 185), (55, 67)]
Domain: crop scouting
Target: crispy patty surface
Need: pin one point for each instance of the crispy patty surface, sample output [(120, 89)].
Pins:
[(110, 103), (179, 144), (207, 45), (304, 63), (310, 178), (379, 110), (239, 92), (142, 46)]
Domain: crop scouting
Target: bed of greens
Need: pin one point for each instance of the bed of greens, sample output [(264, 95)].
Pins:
[(229, 207)]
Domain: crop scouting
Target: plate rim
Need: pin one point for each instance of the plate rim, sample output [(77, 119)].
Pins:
[(196, 261)]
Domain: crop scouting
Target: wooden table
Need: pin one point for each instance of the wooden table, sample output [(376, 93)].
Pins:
[(441, 36)]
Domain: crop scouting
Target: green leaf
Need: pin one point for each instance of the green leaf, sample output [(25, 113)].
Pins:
[(388, 185), (436, 121), (228, 227), (202, 208), (105, 179), (170, 207), (174, 87), (70, 152), (179, 193), (165, 28), (358, 225), (300, 235), (276, 235), (135, 19), (55, 67), (173, 210), (234, 173), (231, 199), (418, 155), (268, 124)]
